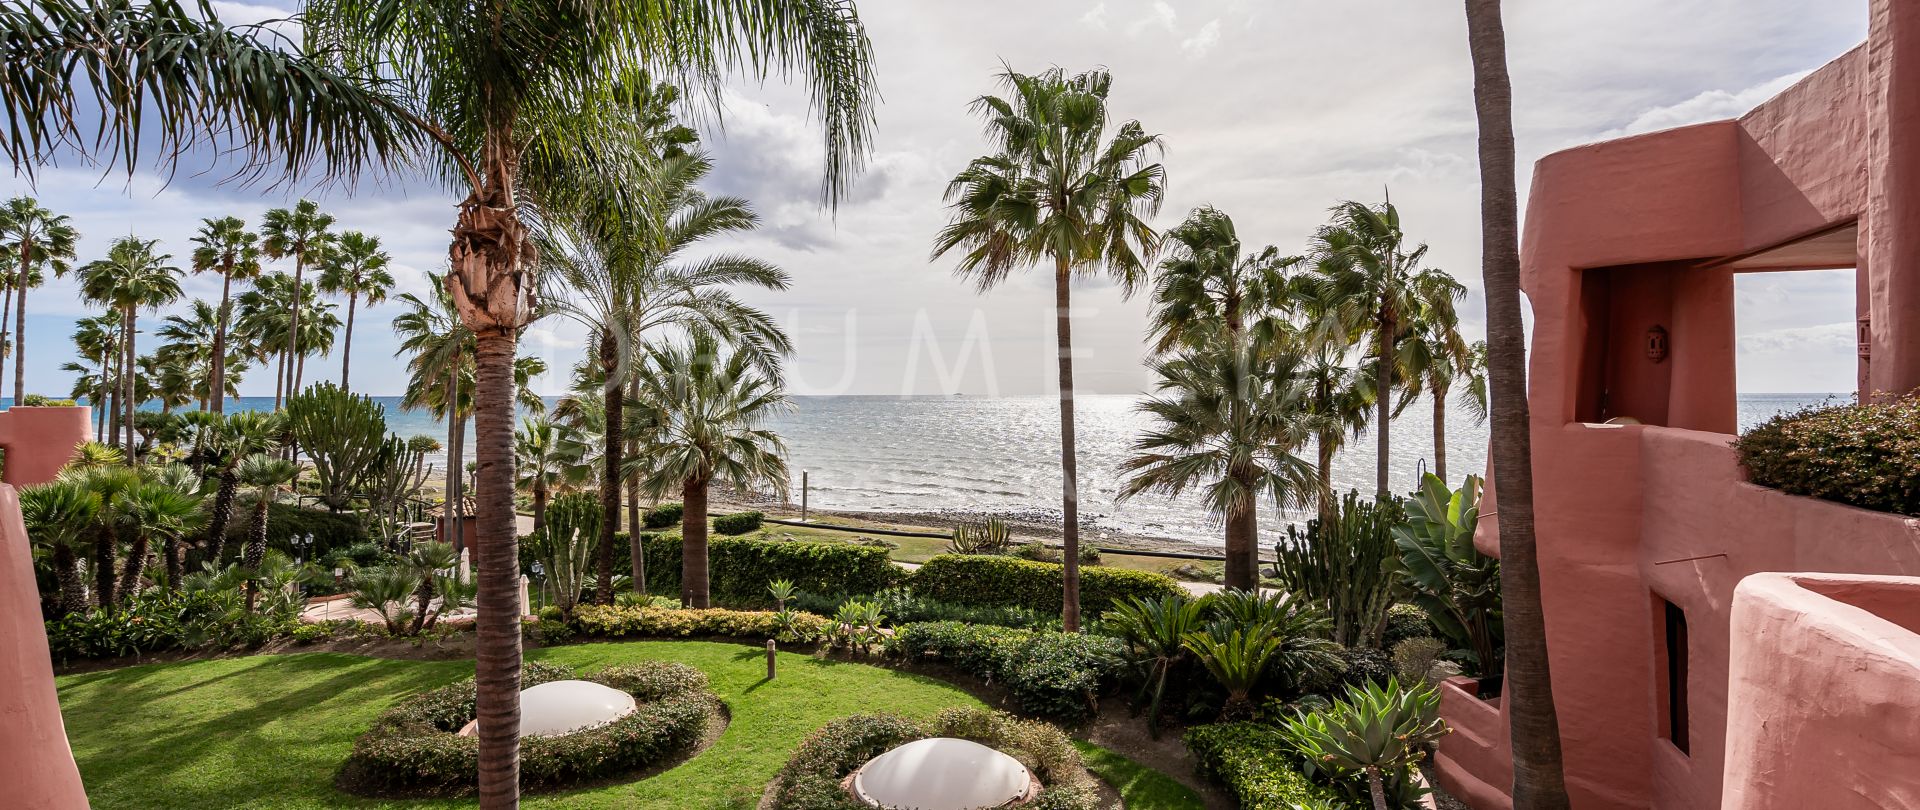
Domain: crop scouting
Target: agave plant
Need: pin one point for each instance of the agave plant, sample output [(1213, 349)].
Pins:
[(1236, 657), (1457, 585), (1156, 631), (1378, 731), (986, 537), (782, 590), (857, 625)]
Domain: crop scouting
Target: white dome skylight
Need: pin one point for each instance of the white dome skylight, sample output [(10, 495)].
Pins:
[(563, 707), (942, 773)]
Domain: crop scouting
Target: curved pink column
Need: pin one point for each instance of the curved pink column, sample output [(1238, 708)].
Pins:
[(36, 765), (40, 441)]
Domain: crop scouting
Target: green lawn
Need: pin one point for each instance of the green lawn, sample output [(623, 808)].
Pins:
[(269, 731)]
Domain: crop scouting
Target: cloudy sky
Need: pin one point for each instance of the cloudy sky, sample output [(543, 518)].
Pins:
[(1271, 110)]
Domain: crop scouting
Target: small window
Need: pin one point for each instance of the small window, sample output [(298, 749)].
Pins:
[(1675, 675)]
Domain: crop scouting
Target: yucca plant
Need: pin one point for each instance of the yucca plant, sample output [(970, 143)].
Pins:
[(1237, 658), (1452, 581), (1156, 632), (1378, 731)]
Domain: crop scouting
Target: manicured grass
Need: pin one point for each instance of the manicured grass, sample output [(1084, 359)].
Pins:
[(270, 731), (1142, 787), (922, 549)]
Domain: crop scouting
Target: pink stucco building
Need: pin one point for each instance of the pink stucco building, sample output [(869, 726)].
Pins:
[(1715, 643)]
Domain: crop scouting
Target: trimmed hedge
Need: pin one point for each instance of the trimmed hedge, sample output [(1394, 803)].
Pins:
[(651, 622), (1048, 673), (413, 747), (1255, 762), (968, 579), (1864, 455), (812, 779), (738, 523), (739, 569), (284, 521), (663, 516)]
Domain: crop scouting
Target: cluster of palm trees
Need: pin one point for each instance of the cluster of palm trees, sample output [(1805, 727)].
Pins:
[(521, 108), (206, 351), (1260, 355)]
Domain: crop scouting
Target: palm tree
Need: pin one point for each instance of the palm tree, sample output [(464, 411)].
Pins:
[(301, 232), (193, 341), (101, 470), (547, 460), (425, 561), (264, 321), (1228, 420), (517, 103), (440, 380), (1432, 357), (1339, 398), (155, 510), (132, 277), (33, 237), (231, 442), (1538, 781), (624, 277), (1208, 285), (267, 477), (1054, 191), (59, 516), (96, 341), (356, 267), (701, 410), (225, 246), (1374, 287)]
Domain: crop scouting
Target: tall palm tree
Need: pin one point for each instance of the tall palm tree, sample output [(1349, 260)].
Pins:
[(225, 246), (547, 461), (230, 443), (263, 321), (267, 477), (516, 103), (1375, 285), (1229, 419), (302, 232), (1208, 284), (1054, 192), (356, 267), (440, 374), (702, 410), (1433, 357), (626, 276), (11, 282), (193, 341), (134, 276), (33, 237), (1538, 781), (156, 510)]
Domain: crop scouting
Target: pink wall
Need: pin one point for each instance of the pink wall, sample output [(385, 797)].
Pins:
[(1824, 668), (36, 766), (1624, 232)]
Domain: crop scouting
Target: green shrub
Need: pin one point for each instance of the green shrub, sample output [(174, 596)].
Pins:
[(1866, 455), (412, 748), (1256, 764), (811, 778), (663, 516), (1367, 665), (1348, 567), (44, 401), (1048, 673), (599, 621), (740, 568), (738, 523), (161, 620), (1405, 621), (901, 606), (1040, 552), (285, 521), (980, 580)]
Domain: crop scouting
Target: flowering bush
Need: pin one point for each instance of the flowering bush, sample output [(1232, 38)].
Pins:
[(651, 622), (811, 779), (1865, 455), (414, 748)]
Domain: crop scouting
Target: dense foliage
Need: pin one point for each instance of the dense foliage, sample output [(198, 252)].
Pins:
[(902, 605), (741, 568), (1255, 762), (1456, 585), (161, 620), (1048, 673), (738, 523), (662, 516), (1346, 563), (811, 779), (598, 621), (1867, 455), (331, 532), (988, 580), (412, 747)]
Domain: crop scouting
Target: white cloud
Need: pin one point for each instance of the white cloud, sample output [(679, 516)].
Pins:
[(1160, 15), (1095, 17), (1203, 40), (1712, 105), (1823, 337)]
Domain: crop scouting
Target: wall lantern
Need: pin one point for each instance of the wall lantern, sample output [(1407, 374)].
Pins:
[(1657, 344)]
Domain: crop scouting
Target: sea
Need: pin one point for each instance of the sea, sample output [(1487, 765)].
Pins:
[(964, 454)]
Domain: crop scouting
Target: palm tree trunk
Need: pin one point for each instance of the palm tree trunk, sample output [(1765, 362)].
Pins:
[(73, 589), (6, 306), (222, 515), (1324, 474), (1383, 401), (126, 384), (1538, 780), (291, 367), (20, 325), (105, 543), (539, 507), (135, 567), (497, 664), (170, 556), (615, 393), (636, 550), (694, 585), (1243, 544), (217, 382), (1440, 433), (256, 550), (346, 346), (1069, 474), (280, 379)]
